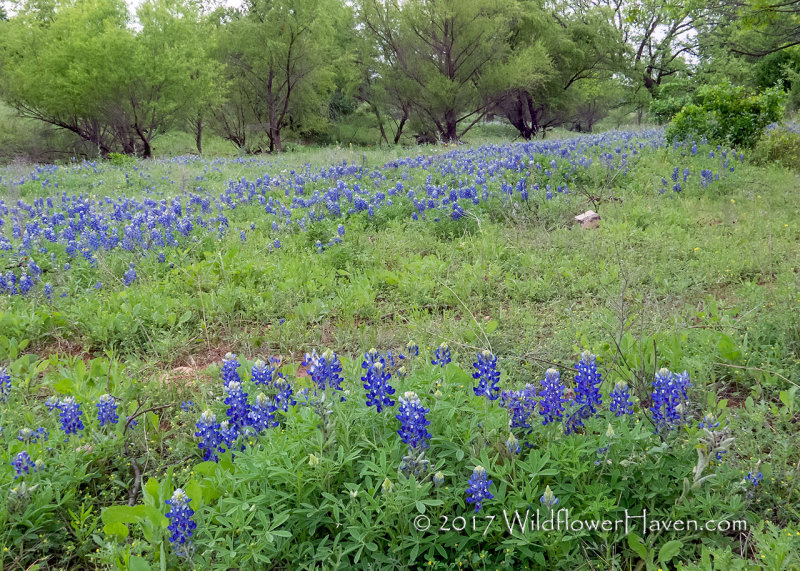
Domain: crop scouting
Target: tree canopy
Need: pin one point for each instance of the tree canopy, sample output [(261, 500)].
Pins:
[(430, 70)]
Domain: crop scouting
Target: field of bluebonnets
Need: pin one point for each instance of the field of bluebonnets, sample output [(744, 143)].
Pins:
[(375, 359)]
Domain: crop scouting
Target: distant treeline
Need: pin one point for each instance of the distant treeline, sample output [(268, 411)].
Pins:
[(426, 70)]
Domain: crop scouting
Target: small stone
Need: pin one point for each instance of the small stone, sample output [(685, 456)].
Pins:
[(589, 219)]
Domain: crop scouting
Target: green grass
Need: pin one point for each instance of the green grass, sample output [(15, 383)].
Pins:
[(705, 280)]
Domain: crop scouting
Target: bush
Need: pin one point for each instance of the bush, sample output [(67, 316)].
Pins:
[(727, 114), (779, 145)]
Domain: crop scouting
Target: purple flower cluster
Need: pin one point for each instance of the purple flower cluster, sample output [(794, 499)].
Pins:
[(22, 463), (551, 406), (181, 524), (587, 382), (70, 416), (670, 399), (621, 399), (376, 381), (521, 405), (413, 424), (442, 355), (488, 376), (324, 370), (478, 488), (5, 384), (107, 410)]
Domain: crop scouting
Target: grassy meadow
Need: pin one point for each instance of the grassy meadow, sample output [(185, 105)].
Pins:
[(325, 254)]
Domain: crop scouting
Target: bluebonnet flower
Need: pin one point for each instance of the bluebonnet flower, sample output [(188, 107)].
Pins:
[(262, 413), (412, 349), (262, 373), (161, 257), (478, 488), (181, 524), (28, 435), (22, 463), (208, 431), (340, 230), (48, 291), (754, 479), (670, 398), (587, 382), (230, 366), (549, 499), (487, 374), (51, 403), (620, 399), (187, 406), (376, 383), (283, 396), (98, 285), (5, 384), (228, 433), (107, 410), (70, 416), (324, 370), (238, 409), (709, 422), (512, 444), (130, 276), (520, 405), (438, 479), (441, 356), (413, 424), (551, 407)]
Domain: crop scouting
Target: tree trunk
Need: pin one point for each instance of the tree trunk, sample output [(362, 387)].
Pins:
[(450, 133), (198, 133), (380, 122), (400, 126)]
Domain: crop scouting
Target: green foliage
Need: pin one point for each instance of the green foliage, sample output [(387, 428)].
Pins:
[(780, 145), (725, 114)]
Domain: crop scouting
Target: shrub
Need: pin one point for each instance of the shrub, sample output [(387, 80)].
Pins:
[(779, 145), (727, 114)]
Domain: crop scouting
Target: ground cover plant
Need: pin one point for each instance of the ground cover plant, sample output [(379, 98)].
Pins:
[(351, 359)]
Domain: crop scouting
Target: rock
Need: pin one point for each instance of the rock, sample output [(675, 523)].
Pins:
[(589, 219)]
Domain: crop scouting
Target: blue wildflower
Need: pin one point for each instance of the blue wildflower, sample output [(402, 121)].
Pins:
[(187, 406), (230, 366), (130, 276), (208, 431), (441, 356), (22, 463), (181, 524), (413, 424), (107, 410), (238, 409), (520, 405), (324, 370), (5, 384), (549, 499), (551, 407), (28, 435), (512, 444), (670, 398), (487, 374), (754, 479), (376, 382), (478, 488), (262, 413), (412, 349), (620, 399), (587, 382), (70, 416)]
